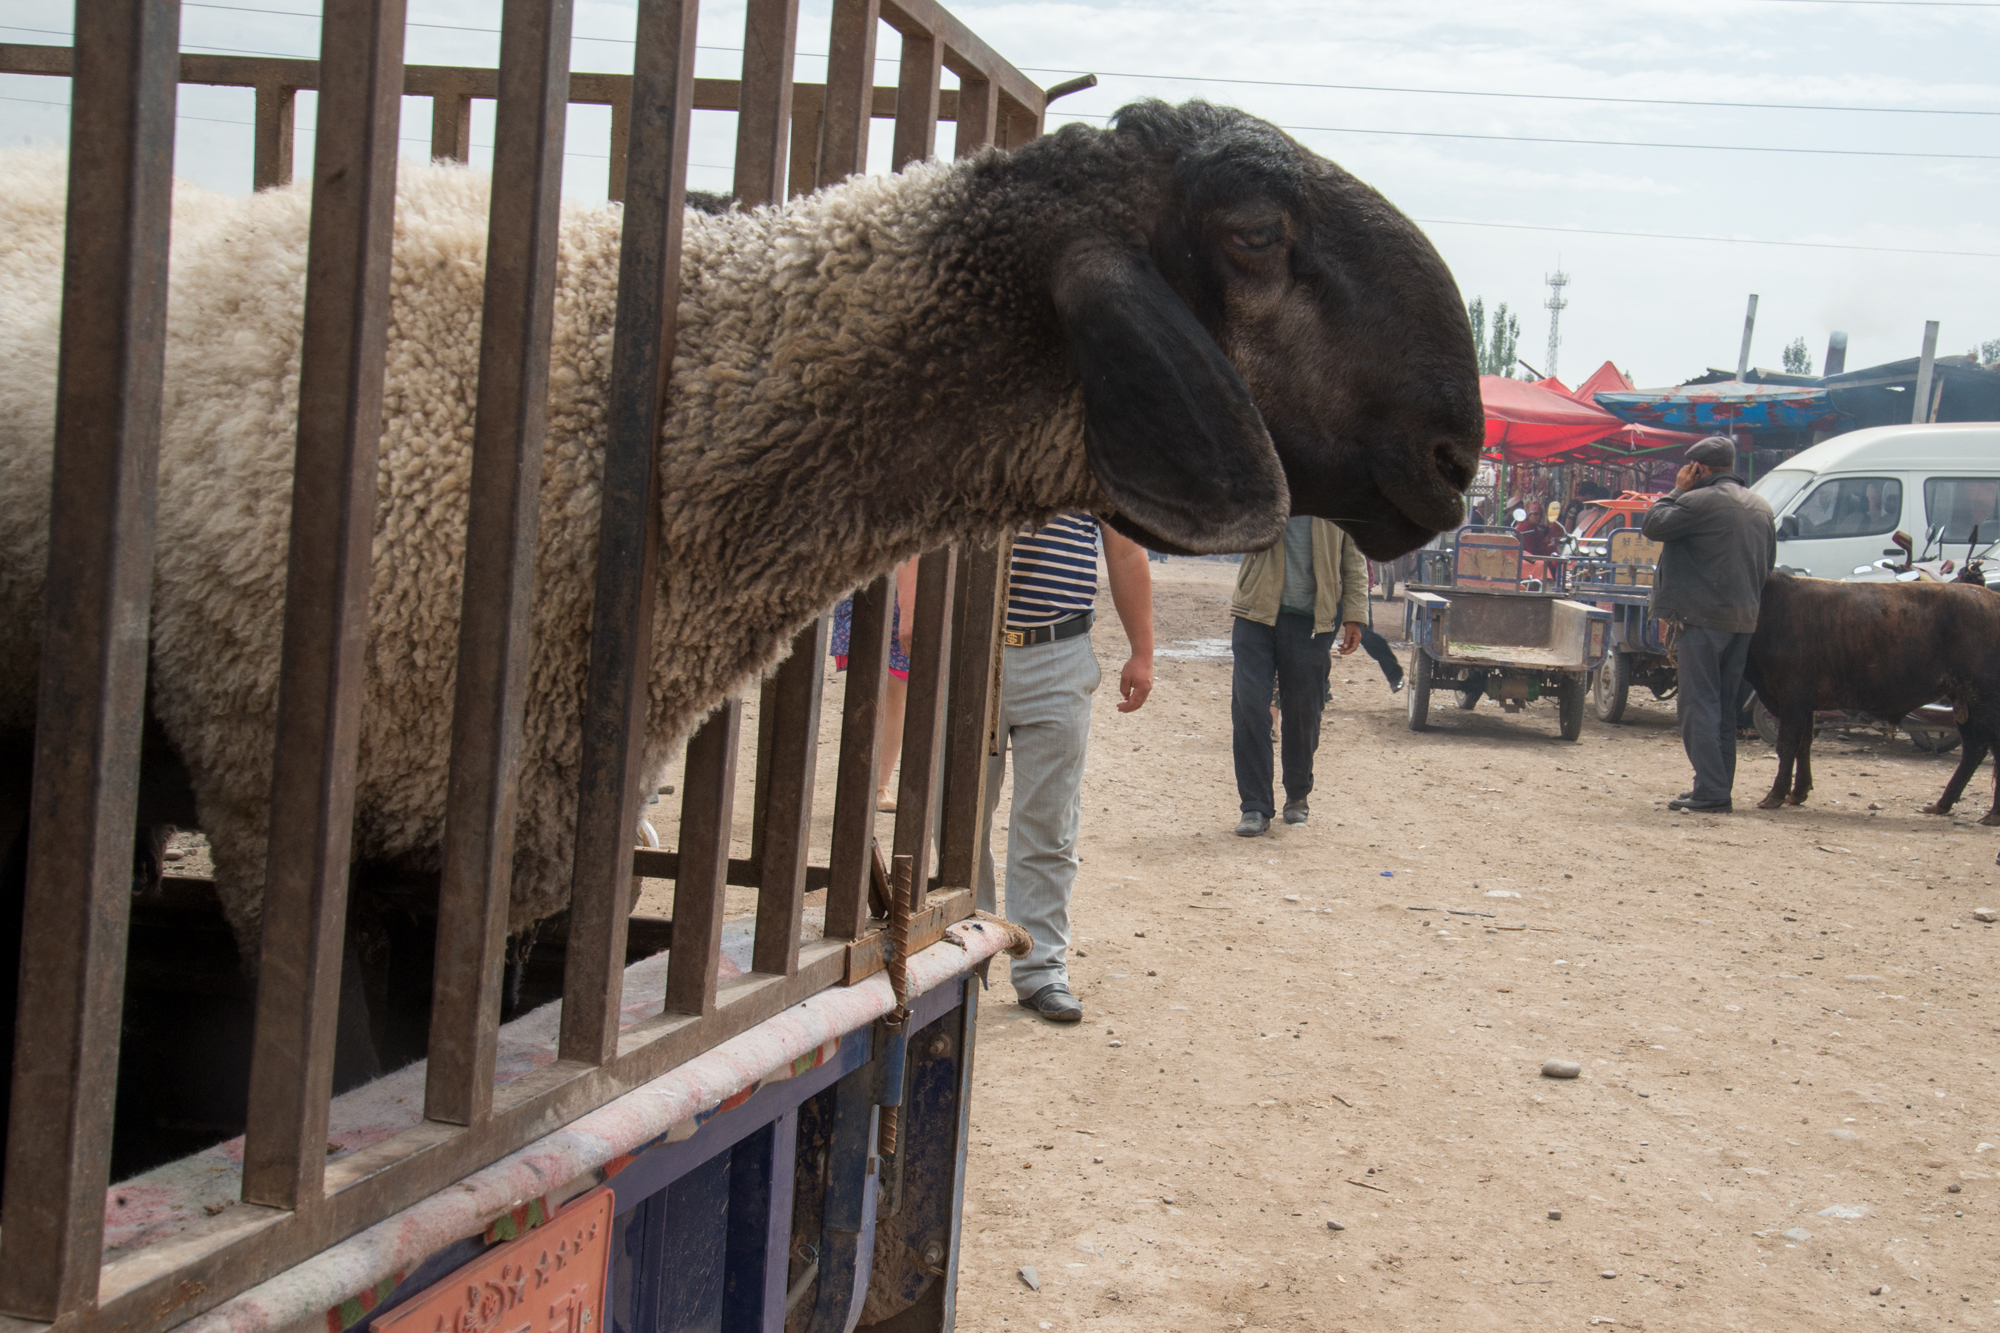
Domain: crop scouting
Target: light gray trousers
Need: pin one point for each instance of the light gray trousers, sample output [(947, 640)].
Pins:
[(1045, 720)]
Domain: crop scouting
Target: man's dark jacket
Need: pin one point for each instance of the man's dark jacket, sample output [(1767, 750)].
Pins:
[(1718, 541)]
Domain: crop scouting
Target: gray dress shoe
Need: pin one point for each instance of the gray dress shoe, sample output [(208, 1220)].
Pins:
[(1055, 1003), (1296, 812), (1252, 824)]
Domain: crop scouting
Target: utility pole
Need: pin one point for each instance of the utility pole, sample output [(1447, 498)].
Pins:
[(1555, 305), (1749, 326), (1922, 409), (1836, 354)]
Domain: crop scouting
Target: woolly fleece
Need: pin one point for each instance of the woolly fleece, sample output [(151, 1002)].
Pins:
[(874, 370), (774, 504)]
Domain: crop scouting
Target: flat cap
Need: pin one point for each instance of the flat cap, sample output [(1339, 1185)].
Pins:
[(1717, 451)]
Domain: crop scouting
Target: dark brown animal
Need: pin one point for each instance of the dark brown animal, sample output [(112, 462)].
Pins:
[(1884, 649)]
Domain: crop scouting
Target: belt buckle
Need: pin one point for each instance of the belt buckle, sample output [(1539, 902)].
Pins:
[(1014, 638)]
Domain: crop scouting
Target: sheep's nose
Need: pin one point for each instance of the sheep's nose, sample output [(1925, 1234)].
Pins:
[(1456, 471)]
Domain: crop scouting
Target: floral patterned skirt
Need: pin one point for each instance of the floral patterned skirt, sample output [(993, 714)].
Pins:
[(843, 626)]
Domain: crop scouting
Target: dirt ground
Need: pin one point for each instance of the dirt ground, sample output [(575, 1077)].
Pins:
[(1783, 1021)]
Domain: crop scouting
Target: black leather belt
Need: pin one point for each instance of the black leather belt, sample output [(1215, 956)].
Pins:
[(1062, 629)]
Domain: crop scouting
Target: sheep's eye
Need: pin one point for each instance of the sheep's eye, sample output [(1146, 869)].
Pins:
[(1257, 238)]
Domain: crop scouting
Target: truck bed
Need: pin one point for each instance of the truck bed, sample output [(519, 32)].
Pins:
[(1537, 655)]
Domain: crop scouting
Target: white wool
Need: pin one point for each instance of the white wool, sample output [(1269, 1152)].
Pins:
[(788, 476)]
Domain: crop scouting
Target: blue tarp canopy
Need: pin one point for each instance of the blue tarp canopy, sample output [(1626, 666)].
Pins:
[(1723, 407)]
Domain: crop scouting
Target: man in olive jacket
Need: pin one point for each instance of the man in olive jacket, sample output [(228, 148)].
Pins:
[(1717, 543), (1290, 601)]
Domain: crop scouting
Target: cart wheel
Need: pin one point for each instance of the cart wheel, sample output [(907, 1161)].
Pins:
[(1765, 721), (1417, 690), (1609, 686), (1935, 742), (1470, 693), (1570, 696)]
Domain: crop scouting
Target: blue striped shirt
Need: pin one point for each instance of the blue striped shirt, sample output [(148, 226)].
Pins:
[(1053, 575)]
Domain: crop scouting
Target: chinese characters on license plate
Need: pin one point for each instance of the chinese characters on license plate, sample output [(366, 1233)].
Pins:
[(551, 1280)]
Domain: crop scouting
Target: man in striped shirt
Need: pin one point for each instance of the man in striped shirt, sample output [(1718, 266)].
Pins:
[(1048, 673)]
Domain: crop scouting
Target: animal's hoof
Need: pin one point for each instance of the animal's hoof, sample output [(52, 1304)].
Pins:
[(1936, 810), (1771, 803), (1992, 818), (1795, 800)]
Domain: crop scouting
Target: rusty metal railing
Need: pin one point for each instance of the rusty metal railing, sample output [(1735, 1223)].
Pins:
[(791, 137)]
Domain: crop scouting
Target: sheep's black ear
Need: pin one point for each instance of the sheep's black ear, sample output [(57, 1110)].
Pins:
[(1171, 431)]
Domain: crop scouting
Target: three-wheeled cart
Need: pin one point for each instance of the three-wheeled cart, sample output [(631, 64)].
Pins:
[(1509, 646), (1622, 584)]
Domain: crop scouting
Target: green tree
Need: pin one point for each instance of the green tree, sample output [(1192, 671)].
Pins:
[(1987, 352), (1496, 343), (1798, 358)]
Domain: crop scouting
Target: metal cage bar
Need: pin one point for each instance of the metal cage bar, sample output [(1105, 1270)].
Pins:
[(708, 794), (917, 99), (628, 548), (326, 602), (509, 429), (850, 85), (924, 715), (787, 797), (276, 128), (977, 608), (764, 101), (851, 858), (93, 661)]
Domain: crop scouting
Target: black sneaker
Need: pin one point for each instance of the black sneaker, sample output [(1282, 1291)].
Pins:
[(1055, 1003), (1252, 824), (1296, 812)]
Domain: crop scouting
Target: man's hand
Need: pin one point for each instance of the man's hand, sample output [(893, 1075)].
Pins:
[(1135, 682), (1132, 593), (1689, 474), (1350, 637)]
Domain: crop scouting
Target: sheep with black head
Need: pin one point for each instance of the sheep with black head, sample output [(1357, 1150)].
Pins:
[(1186, 322)]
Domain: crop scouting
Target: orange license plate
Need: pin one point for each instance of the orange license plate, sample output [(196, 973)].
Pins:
[(551, 1280)]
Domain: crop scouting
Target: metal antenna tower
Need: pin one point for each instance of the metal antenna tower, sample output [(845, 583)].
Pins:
[(1555, 305)]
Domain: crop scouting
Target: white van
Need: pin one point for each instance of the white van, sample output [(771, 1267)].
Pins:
[(1837, 503)]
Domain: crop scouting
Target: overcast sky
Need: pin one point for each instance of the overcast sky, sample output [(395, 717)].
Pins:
[(1663, 309)]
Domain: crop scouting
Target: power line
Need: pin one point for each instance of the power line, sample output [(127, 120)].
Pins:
[(1428, 222), (1648, 143), (1531, 97), (1508, 138), (1719, 240), (1618, 143), (1894, 4), (1261, 83)]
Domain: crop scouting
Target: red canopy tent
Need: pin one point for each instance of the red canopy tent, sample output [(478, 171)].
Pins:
[(1535, 423), (1545, 422)]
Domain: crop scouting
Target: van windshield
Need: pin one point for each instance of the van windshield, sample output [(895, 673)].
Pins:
[(1779, 487)]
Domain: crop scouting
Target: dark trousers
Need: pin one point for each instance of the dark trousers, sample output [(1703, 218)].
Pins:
[(1710, 663), (1299, 660), (1378, 648)]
